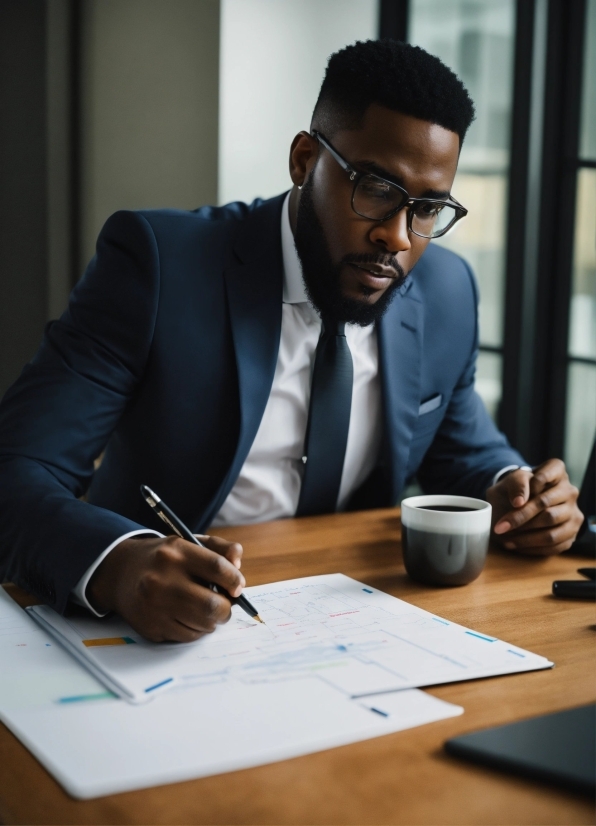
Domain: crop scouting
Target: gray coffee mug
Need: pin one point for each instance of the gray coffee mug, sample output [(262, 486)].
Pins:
[(445, 538)]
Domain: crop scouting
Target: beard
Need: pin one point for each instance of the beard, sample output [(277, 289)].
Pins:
[(322, 277)]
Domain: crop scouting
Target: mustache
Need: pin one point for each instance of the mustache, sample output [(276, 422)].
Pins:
[(379, 259)]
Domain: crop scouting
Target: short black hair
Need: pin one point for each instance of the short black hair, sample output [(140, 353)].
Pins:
[(396, 75)]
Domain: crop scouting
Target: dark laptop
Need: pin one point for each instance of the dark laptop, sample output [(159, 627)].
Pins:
[(556, 748)]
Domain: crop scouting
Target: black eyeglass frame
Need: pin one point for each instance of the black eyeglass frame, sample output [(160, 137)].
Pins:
[(356, 176)]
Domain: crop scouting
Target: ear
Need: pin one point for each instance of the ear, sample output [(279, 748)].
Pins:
[(303, 154)]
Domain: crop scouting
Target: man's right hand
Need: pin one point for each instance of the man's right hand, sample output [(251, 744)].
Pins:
[(154, 584)]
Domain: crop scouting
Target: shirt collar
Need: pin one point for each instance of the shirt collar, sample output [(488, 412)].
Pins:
[(294, 292)]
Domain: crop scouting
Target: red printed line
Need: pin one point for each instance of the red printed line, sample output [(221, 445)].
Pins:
[(343, 613)]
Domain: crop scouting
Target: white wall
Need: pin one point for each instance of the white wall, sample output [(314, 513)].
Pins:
[(272, 59)]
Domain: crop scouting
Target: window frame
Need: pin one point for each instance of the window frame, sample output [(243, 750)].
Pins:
[(540, 223)]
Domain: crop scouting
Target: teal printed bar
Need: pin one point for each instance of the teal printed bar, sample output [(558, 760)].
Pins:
[(83, 698), (481, 636)]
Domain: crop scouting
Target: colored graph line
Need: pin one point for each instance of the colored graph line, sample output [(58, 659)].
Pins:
[(82, 698), (481, 636), (158, 685), (108, 641)]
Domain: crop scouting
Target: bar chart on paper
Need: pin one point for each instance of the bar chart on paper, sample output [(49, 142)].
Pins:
[(71, 723), (335, 663), (354, 638), (35, 669)]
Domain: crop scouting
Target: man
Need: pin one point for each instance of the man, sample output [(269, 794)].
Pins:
[(187, 350)]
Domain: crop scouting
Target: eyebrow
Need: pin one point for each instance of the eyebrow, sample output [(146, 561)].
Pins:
[(371, 166)]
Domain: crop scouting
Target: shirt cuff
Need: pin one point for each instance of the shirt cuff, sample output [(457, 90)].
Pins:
[(499, 475), (78, 592)]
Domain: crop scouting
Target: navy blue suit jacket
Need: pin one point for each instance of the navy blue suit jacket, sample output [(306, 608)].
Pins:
[(165, 360)]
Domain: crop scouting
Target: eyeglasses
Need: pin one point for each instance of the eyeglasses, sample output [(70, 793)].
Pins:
[(378, 199)]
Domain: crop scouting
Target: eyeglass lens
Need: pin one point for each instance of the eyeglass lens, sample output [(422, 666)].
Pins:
[(376, 198)]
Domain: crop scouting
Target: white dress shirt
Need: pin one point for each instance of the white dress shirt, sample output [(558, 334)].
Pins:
[(268, 486)]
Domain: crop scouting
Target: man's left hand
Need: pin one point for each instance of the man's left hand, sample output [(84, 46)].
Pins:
[(536, 512)]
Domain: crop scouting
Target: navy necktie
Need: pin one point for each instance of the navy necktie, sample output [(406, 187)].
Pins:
[(328, 422)]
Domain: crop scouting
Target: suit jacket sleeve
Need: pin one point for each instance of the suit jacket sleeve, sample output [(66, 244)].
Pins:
[(468, 449), (58, 416)]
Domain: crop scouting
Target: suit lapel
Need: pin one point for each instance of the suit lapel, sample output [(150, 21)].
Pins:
[(254, 290), (400, 337)]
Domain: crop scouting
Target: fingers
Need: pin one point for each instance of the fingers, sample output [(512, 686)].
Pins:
[(517, 485), (548, 520), (202, 563), (552, 531), (201, 610), (511, 492), (542, 538), (548, 474), (544, 550), (177, 609), (545, 498), (231, 550)]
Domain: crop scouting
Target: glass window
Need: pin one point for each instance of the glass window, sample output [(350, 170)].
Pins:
[(580, 427), (488, 380), (582, 322), (272, 60), (581, 418), (476, 39)]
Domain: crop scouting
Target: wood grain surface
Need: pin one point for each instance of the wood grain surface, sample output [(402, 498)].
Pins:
[(402, 778)]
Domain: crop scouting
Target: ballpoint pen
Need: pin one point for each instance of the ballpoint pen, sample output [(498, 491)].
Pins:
[(577, 588), (170, 518)]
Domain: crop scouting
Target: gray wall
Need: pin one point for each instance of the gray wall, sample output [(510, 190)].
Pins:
[(150, 88), (106, 104), (35, 180), (23, 186)]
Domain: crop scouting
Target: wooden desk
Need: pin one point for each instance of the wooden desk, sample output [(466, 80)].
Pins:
[(401, 778)]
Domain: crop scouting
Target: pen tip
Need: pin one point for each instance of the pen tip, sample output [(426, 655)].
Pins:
[(258, 619)]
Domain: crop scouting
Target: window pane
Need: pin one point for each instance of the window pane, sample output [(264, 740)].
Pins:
[(582, 321), (476, 39), (581, 418), (273, 55), (488, 381), (588, 120)]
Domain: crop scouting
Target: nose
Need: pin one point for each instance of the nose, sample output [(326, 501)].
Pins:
[(392, 234)]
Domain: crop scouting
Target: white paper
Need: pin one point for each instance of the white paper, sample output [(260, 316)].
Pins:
[(358, 640), (94, 743), (34, 669)]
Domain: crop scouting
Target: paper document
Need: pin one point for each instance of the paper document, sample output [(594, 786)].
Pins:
[(354, 638), (94, 743)]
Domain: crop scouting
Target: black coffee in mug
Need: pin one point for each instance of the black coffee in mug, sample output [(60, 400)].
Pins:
[(445, 538), (445, 508)]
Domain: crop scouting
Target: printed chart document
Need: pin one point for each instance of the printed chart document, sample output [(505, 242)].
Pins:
[(94, 743), (355, 639)]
